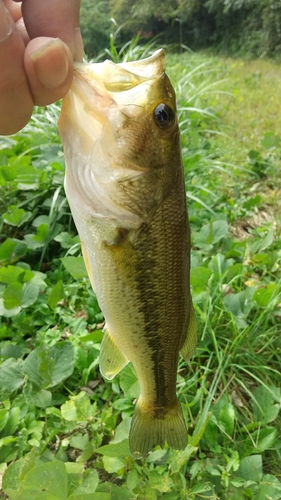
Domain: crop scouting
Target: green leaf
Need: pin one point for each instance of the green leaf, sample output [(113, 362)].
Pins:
[(8, 313), (12, 295), (32, 243), (48, 367), (13, 422), (263, 296), (56, 295), (226, 418), (10, 274), (78, 408), (79, 441), (132, 479), (204, 422), (75, 266), (259, 441), (61, 357), (181, 457), (39, 280), (47, 481), (240, 305), (250, 468), (7, 173), (96, 337), (38, 397), (270, 488), (12, 250), (90, 496), (129, 382), (115, 450), (199, 277), (66, 240), (122, 430), (156, 455), (270, 140), (232, 272), (211, 233), (115, 492), (170, 496), (267, 240), (16, 216), (160, 482), (4, 416), (12, 351), (265, 407), (88, 485), (41, 220), (75, 469), (114, 464), (11, 376), (30, 294)]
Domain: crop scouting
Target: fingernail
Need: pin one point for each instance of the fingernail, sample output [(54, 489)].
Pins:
[(78, 45), (6, 22), (51, 63)]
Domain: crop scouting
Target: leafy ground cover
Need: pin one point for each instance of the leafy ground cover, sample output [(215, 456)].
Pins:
[(63, 429)]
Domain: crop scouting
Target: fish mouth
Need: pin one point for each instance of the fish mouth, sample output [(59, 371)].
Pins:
[(123, 76), (102, 85)]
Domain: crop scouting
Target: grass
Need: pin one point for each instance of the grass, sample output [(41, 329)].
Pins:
[(230, 390)]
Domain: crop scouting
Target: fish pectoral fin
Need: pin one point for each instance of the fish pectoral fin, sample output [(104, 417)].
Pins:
[(152, 428), (190, 342), (112, 359)]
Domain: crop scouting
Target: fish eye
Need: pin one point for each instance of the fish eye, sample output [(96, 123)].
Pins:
[(164, 116)]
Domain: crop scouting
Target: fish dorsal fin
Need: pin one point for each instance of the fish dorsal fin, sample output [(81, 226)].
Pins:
[(190, 343), (112, 359)]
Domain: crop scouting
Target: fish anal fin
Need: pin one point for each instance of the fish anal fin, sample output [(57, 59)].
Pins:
[(112, 359), (149, 429), (190, 342)]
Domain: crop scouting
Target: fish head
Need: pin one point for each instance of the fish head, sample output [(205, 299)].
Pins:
[(118, 122)]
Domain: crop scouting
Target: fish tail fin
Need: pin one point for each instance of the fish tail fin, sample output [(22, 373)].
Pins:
[(151, 427)]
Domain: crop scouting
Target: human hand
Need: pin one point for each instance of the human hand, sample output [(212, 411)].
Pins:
[(38, 41)]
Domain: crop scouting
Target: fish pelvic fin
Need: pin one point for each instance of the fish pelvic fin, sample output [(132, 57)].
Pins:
[(150, 428), (190, 342), (112, 359)]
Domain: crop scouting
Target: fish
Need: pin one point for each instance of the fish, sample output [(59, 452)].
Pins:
[(125, 186)]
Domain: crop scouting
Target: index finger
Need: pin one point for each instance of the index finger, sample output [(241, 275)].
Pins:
[(55, 19)]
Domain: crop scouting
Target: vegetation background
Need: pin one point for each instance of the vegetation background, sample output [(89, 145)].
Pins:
[(237, 27), (63, 429)]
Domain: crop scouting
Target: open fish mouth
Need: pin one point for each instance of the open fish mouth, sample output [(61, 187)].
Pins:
[(98, 86)]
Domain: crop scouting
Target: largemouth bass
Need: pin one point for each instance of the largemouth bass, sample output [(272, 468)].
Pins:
[(125, 186)]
